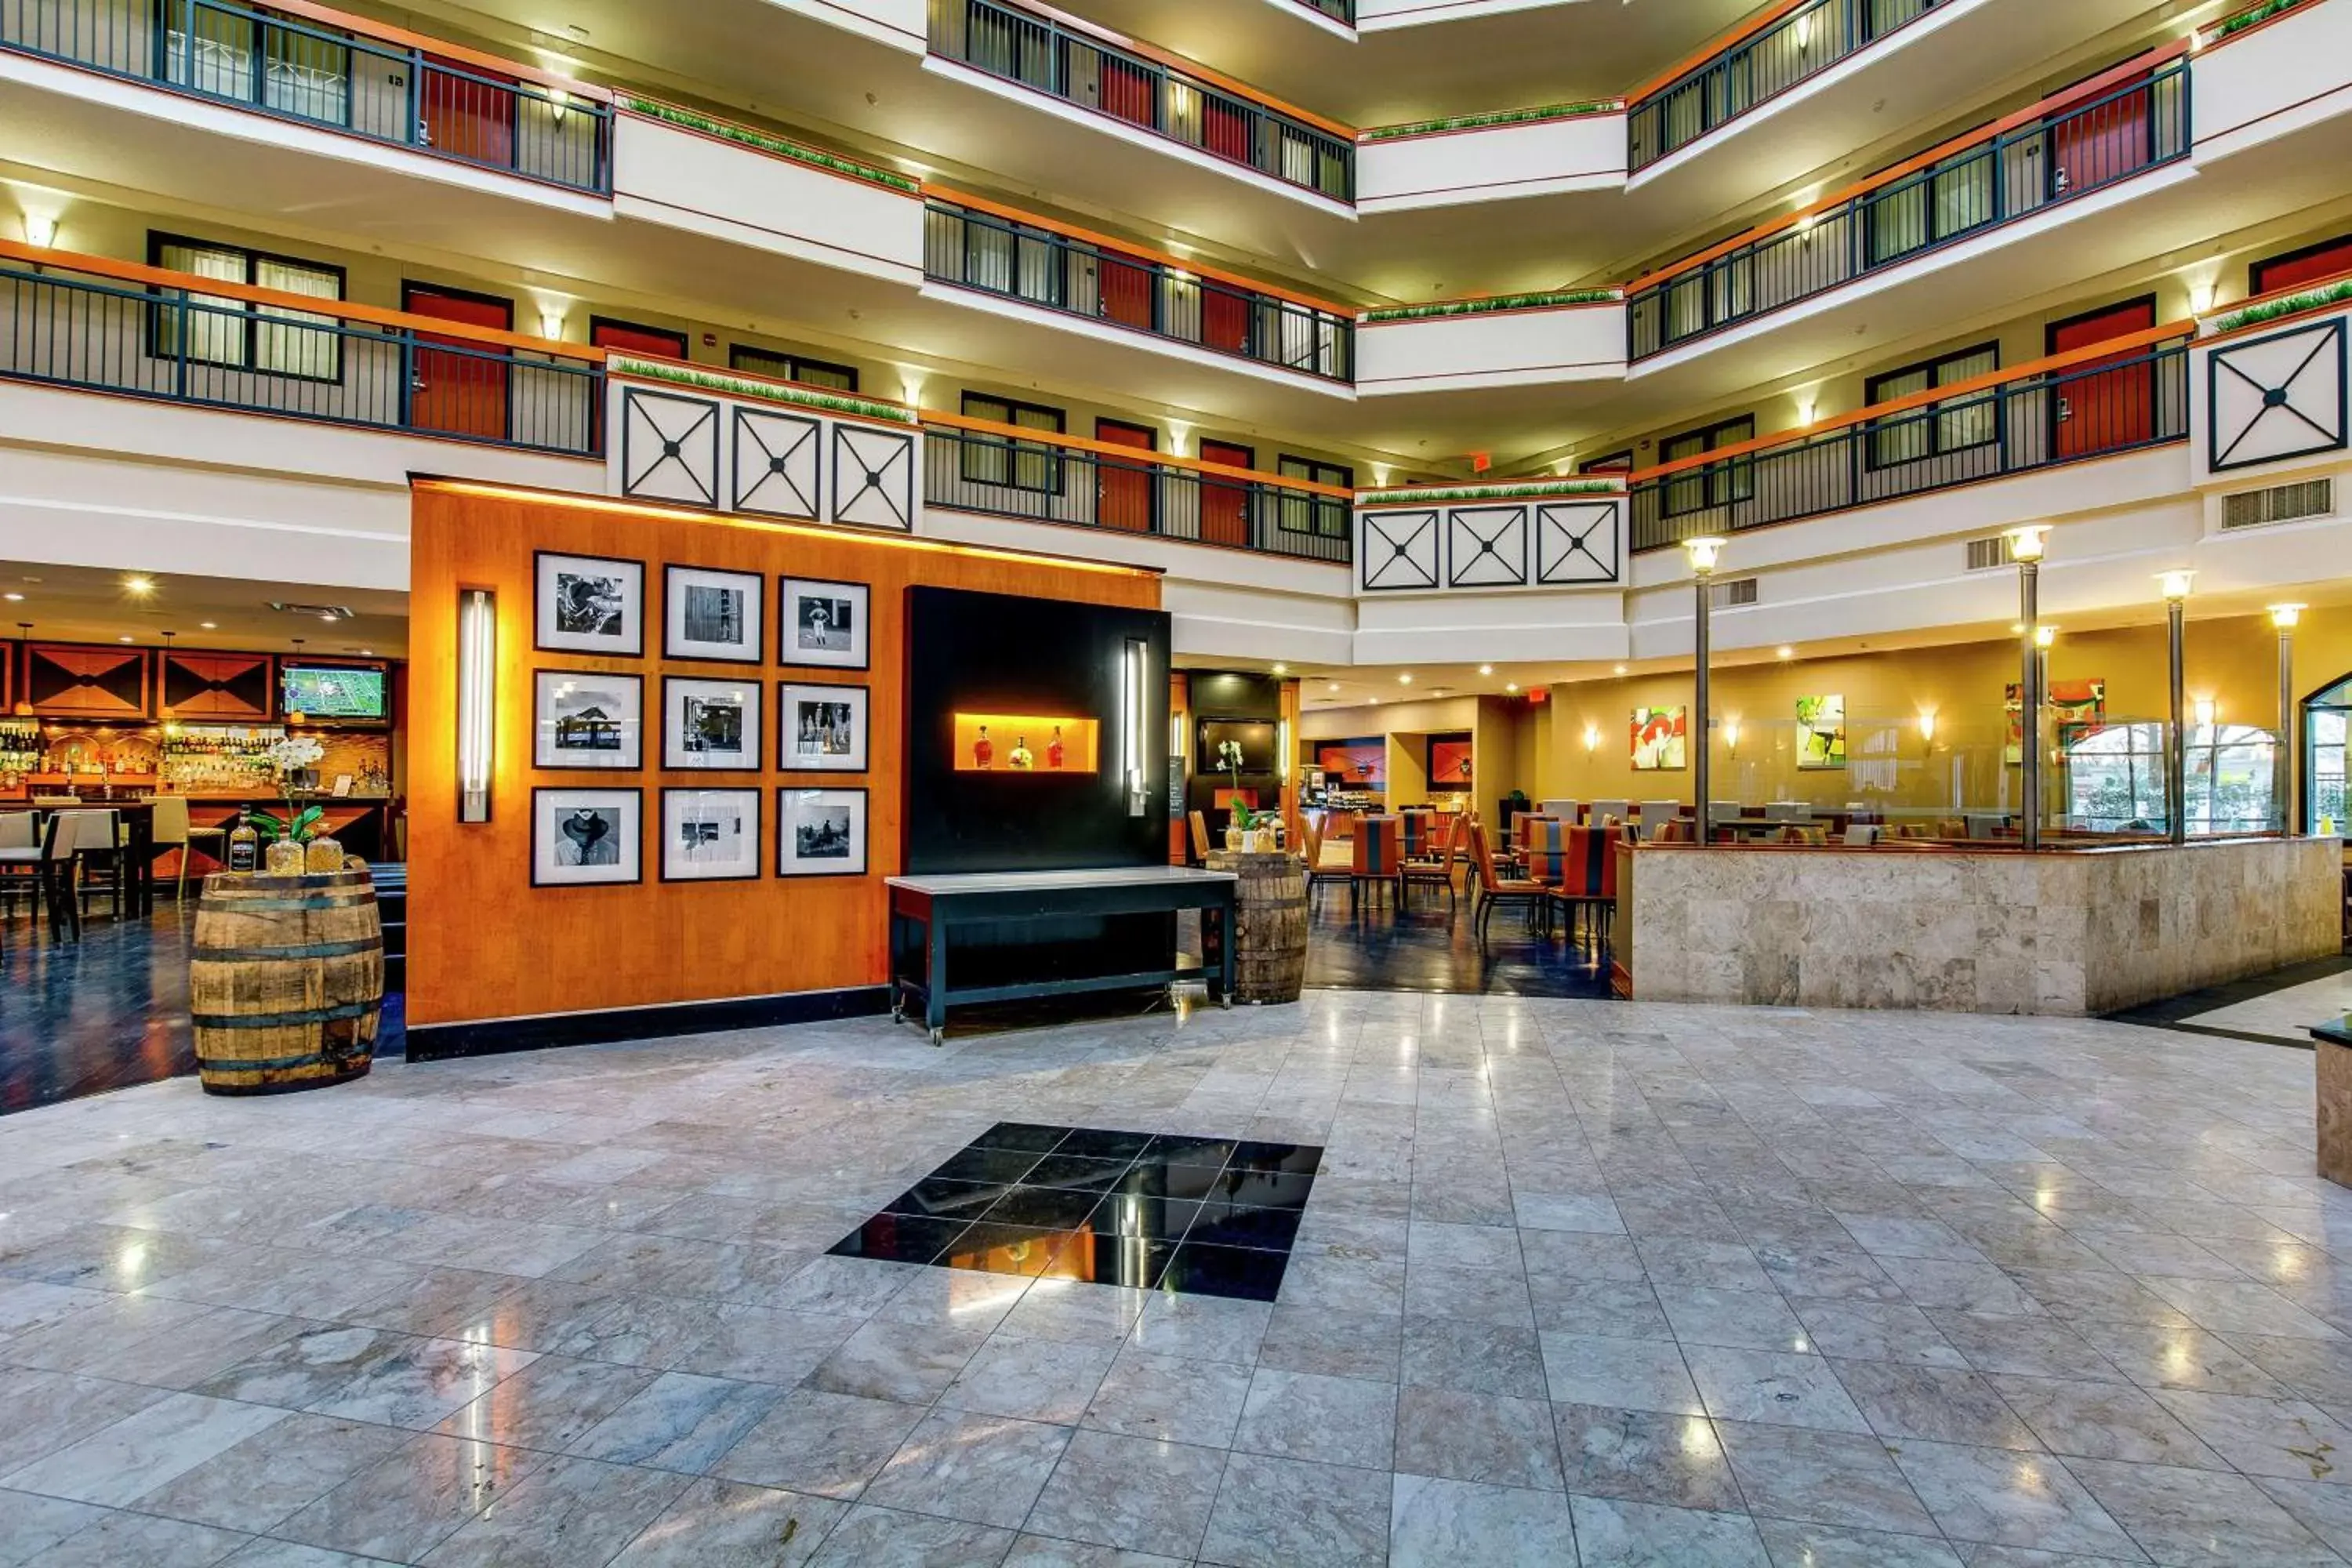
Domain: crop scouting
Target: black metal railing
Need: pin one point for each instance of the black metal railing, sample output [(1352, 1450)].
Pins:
[(1082, 69), (2139, 398), (1338, 10), (185, 346), (970, 470), (2086, 146), (312, 75), (1802, 44), (1039, 267)]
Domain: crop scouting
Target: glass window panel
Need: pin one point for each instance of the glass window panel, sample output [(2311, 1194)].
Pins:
[(214, 323), (297, 349)]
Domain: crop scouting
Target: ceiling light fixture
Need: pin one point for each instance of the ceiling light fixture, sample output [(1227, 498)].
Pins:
[(138, 587), (1486, 669), (1784, 651)]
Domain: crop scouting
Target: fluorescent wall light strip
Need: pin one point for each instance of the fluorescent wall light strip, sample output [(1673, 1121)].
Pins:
[(1134, 701), (477, 676)]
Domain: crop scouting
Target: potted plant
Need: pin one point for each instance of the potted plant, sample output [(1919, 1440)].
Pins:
[(1243, 830), (288, 854)]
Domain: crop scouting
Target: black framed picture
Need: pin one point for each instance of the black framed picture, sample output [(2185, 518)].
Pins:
[(821, 729), (586, 838), (820, 832), (827, 625), (711, 834), (590, 603), (713, 615), (587, 719), (712, 725)]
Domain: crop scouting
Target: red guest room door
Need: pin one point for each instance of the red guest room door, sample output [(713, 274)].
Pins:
[(1123, 493), (461, 390), (1224, 503), (2104, 411)]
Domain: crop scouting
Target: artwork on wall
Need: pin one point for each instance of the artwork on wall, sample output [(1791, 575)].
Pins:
[(711, 724), (821, 729), (2076, 709), (820, 832), (1360, 764), (1821, 731), (823, 624), (1660, 740), (711, 834), (591, 604), (711, 614), (1450, 766), (585, 838), (586, 719)]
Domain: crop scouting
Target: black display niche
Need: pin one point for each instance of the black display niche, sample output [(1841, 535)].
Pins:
[(1229, 704)]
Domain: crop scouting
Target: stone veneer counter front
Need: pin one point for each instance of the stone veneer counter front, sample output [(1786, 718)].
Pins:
[(2061, 931)]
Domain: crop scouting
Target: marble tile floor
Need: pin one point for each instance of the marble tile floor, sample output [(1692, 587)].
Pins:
[(1581, 1284), (2285, 1015)]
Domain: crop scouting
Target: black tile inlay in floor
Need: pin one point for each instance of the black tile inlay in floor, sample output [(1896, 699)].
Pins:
[(1203, 1217)]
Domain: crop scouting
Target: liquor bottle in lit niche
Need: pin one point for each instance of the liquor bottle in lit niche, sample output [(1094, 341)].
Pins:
[(1023, 758), (983, 751), (1054, 753)]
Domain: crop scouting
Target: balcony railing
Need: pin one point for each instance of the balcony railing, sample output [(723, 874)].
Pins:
[(1757, 68), (468, 110), (2096, 404), (219, 345), (1338, 10), (975, 466), (2137, 121), (1055, 271), (1088, 70)]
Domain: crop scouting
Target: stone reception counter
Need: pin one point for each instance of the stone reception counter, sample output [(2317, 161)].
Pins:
[(2071, 932)]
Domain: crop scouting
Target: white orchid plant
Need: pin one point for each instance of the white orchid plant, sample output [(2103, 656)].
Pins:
[(287, 759), (1229, 757)]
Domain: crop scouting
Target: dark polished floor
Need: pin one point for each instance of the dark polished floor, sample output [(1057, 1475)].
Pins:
[(1427, 947), (108, 1011)]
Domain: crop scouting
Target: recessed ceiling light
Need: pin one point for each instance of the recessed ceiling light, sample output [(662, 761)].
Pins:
[(1621, 669), (1510, 686), (1406, 679), (1486, 669), (1282, 670), (1376, 702), (138, 587), (14, 598), (1785, 651), (367, 653), (1331, 686), (209, 625), (122, 639)]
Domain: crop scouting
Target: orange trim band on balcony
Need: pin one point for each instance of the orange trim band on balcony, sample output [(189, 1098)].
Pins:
[(2041, 108), (2107, 348), (1129, 247), (310, 305), (488, 65), (1129, 453), (1738, 35), (1192, 68)]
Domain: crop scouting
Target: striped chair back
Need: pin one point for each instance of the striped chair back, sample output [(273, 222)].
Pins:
[(1547, 850), (1526, 827), (1589, 868), (1418, 828), (1481, 858), (1379, 847), (1675, 832)]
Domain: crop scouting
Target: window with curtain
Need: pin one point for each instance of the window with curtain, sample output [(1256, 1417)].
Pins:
[(1938, 427), (2327, 720), (1708, 485), (793, 367), (219, 330), (1006, 460), (1302, 513)]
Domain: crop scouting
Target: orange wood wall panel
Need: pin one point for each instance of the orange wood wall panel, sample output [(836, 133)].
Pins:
[(483, 943)]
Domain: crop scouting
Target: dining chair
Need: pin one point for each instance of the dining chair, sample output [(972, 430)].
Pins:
[(1200, 828), (1588, 883), (1657, 812), (1433, 867), (174, 830), (97, 857), (1379, 851), (41, 869), (1497, 891), (1327, 861)]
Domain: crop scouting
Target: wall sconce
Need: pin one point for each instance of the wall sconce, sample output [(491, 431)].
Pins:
[(1176, 737), (478, 677), (40, 229), (1282, 756), (2200, 298), (551, 323), (1927, 726), (2205, 709), (1591, 739), (558, 103), (2045, 636), (1731, 735), (1134, 701)]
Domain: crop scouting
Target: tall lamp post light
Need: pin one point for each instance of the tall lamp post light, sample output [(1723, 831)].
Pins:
[(2026, 547), (2284, 617), (1704, 553), (2175, 585)]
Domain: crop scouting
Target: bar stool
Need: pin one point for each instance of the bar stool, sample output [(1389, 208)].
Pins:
[(174, 831)]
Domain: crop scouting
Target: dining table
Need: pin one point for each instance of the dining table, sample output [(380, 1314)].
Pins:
[(137, 818)]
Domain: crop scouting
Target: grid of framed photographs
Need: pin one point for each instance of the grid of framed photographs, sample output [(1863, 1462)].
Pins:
[(596, 720)]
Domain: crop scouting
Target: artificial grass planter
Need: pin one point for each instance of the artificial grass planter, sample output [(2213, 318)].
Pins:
[(760, 140), (1491, 303), (2245, 19), (2333, 294), (1488, 492), (1478, 122), (767, 391)]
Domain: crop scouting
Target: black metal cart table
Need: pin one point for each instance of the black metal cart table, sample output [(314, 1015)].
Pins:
[(925, 911)]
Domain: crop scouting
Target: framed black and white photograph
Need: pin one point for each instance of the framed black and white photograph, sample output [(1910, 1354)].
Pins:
[(711, 834), (586, 719), (823, 624), (820, 832), (586, 838), (711, 724), (591, 604), (712, 614), (820, 729)]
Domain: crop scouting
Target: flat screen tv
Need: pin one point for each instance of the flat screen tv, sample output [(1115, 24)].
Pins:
[(347, 693), (1257, 739)]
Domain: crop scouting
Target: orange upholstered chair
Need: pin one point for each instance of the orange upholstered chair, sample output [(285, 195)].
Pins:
[(1433, 867), (1380, 854), (1496, 890)]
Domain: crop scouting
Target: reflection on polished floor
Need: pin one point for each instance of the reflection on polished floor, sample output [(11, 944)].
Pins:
[(107, 1011), (1428, 947), (1575, 1283)]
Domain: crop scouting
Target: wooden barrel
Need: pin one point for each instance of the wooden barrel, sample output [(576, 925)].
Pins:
[(1270, 947), (285, 981)]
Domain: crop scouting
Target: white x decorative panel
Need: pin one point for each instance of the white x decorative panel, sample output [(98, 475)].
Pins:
[(669, 447), (1488, 545), (777, 461), (2274, 397), (1398, 550), (874, 478), (1577, 542)]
